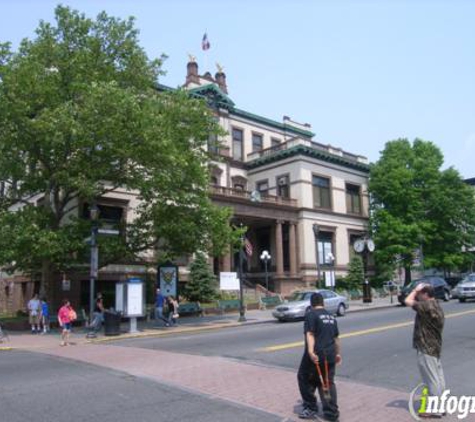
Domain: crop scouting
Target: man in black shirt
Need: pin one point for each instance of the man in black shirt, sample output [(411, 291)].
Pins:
[(322, 348)]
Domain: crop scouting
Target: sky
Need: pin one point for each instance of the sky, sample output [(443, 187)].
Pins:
[(360, 72)]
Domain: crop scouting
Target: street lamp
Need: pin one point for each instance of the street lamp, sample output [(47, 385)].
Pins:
[(94, 216), (265, 256), (242, 311), (316, 230)]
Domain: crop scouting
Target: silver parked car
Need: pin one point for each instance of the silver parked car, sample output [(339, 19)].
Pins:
[(295, 308), (466, 288)]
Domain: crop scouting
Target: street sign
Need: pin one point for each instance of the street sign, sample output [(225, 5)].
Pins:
[(94, 261)]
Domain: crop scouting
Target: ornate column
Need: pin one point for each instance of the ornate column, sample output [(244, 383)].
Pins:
[(279, 250), (293, 249)]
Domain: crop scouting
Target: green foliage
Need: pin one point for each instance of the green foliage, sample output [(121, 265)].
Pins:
[(355, 277), (80, 118), (414, 203), (202, 285)]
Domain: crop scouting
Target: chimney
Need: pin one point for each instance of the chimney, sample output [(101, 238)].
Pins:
[(192, 72), (220, 78)]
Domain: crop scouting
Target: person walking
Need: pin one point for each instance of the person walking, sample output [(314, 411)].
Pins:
[(159, 305), (317, 367), (98, 314), (45, 315), (172, 310), (34, 312), (427, 337), (66, 316)]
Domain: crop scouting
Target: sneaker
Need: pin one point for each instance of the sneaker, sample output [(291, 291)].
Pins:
[(307, 413)]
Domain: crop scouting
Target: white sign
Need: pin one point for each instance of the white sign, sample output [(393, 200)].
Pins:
[(228, 281), (134, 299), (66, 285), (119, 297), (329, 278)]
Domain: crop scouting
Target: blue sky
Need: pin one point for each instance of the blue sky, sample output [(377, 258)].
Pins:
[(360, 72)]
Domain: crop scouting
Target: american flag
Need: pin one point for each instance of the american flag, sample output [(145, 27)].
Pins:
[(248, 247), (205, 45)]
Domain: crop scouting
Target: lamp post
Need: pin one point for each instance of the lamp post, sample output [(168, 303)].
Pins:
[(242, 311), (265, 256), (94, 215), (316, 229)]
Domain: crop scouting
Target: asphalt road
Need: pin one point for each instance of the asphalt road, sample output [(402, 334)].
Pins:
[(377, 346), (40, 388)]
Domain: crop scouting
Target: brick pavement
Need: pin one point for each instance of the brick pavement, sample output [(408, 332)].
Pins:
[(270, 389)]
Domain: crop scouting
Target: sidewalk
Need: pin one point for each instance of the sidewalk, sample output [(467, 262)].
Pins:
[(25, 340), (270, 389)]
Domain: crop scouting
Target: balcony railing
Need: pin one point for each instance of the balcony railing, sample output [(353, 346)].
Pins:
[(243, 194), (308, 143)]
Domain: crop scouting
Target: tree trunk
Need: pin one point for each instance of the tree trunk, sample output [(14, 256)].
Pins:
[(407, 275), (45, 284)]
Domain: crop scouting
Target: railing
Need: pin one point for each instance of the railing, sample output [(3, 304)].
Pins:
[(264, 198), (310, 144)]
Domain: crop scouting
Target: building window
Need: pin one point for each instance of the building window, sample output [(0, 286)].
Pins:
[(274, 142), (256, 142), (283, 187), (321, 192), (353, 199), (237, 144), (214, 181), (213, 144), (325, 248), (263, 187)]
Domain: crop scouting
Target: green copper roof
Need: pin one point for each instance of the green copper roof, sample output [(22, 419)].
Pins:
[(309, 152), (213, 95)]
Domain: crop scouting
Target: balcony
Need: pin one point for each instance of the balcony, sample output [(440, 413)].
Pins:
[(222, 191), (297, 141)]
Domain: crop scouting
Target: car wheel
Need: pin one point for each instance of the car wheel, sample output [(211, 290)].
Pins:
[(446, 296), (462, 300), (341, 310)]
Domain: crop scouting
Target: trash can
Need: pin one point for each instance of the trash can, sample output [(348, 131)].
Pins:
[(112, 323)]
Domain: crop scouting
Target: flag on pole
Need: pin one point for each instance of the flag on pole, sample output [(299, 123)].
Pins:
[(205, 45), (248, 247)]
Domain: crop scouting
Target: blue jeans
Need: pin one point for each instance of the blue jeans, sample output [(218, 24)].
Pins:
[(159, 315)]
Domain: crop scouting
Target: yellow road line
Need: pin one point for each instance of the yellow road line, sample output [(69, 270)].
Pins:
[(359, 333)]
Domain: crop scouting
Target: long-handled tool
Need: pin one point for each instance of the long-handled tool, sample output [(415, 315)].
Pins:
[(324, 381)]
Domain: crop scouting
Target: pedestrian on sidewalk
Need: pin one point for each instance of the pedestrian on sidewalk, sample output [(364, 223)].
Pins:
[(45, 315), (159, 305), (172, 310), (98, 314), (322, 349), (427, 338), (66, 316), (34, 312)]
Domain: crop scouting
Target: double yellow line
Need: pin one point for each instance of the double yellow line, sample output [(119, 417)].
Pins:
[(359, 333)]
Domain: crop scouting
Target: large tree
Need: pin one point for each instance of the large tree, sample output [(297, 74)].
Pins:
[(81, 117), (417, 206)]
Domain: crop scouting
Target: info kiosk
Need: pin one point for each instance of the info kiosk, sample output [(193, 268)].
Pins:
[(130, 300)]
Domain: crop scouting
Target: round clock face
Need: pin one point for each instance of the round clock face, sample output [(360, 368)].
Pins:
[(359, 246), (370, 245)]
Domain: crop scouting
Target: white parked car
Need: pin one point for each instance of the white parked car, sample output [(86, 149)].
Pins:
[(466, 288), (295, 308)]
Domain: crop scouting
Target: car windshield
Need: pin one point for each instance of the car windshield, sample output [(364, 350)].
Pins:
[(299, 296), (469, 279)]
